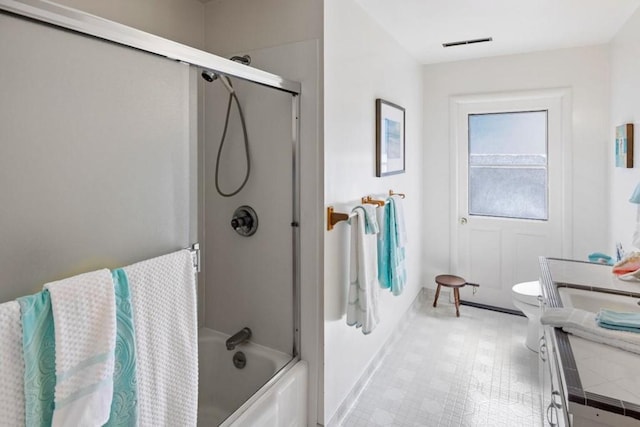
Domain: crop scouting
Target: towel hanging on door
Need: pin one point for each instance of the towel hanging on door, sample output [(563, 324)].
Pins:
[(84, 317), (163, 296), (12, 404)]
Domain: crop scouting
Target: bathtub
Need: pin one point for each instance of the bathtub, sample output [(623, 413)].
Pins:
[(227, 395)]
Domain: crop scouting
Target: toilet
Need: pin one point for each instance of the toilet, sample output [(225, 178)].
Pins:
[(525, 298)]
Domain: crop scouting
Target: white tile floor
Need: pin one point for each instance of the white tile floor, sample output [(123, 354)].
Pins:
[(445, 371)]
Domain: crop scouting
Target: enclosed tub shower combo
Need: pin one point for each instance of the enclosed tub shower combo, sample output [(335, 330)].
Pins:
[(132, 149)]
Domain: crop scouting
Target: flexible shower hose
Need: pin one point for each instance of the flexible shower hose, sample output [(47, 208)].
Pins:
[(232, 96)]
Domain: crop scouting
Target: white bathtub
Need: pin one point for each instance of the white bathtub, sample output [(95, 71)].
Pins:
[(225, 392)]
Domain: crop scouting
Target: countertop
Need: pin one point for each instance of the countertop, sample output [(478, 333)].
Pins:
[(596, 375)]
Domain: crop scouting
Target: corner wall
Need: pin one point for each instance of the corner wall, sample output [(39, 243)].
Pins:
[(362, 63), (625, 108), (234, 26), (586, 72)]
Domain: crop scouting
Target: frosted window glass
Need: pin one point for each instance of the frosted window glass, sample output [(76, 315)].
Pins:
[(508, 165)]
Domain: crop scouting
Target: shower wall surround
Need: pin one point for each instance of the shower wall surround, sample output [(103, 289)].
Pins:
[(249, 280)]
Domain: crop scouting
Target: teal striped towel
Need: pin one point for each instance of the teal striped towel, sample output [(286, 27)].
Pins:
[(124, 406), (84, 316), (620, 321), (38, 344), (392, 272)]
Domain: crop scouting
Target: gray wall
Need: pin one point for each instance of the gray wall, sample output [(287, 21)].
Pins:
[(97, 155)]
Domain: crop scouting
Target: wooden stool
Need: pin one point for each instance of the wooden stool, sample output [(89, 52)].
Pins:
[(450, 281)]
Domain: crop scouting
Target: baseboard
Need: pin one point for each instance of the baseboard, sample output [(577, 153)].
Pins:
[(492, 308), (354, 394)]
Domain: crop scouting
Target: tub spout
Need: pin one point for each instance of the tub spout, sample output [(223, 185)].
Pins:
[(238, 338)]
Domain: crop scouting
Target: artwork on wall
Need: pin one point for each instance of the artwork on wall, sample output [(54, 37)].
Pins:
[(624, 146), (389, 138)]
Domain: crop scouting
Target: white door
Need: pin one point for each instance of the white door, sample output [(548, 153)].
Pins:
[(512, 168)]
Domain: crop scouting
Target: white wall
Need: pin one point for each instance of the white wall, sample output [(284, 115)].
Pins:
[(362, 63), (586, 72), (178, 20), (625, 108)]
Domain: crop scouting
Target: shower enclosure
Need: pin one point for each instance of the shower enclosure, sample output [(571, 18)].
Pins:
[(248, 280), (248, 147)]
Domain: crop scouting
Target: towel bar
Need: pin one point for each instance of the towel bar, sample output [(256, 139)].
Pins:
[(334, 217), (371, 201)]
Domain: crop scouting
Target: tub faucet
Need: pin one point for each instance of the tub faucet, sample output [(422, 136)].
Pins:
[(238, 338)]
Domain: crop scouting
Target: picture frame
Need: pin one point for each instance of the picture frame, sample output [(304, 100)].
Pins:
[(624, 146), (390, 138)]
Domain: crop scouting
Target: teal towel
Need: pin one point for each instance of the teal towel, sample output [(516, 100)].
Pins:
[(370, 221), (620, 321), (124, 406), (392, 272), (38, 344)]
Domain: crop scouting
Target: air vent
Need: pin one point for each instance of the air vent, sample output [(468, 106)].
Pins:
[(464, 42)]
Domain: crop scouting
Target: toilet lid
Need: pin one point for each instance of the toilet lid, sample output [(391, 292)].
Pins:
[(527, 292)]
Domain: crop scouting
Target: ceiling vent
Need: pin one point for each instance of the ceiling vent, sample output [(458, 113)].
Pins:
[(465, 42)]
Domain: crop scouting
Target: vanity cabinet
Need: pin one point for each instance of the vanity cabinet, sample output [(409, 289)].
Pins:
[(584, 383), (552, 392)]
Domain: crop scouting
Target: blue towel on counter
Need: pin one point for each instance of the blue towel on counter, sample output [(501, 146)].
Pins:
[(392, 272), (620, 321), (124, 406), (38, 344)]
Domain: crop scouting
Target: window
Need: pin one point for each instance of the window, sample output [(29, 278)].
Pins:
[(508, 165)]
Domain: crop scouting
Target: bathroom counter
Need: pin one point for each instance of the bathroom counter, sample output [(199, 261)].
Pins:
[(601, 383)]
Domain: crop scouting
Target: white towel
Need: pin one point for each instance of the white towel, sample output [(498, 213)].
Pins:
[(362, 307), (12, 402), (401, 228), (163, 296), (583, 324), (84, 318)]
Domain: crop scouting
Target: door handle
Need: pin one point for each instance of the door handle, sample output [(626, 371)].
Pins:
[(552, 415), (463, 221)]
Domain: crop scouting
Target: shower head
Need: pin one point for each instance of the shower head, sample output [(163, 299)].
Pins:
[(244, 59), (209, 75)]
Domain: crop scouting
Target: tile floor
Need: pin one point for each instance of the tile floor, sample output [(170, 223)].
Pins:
[(445, 371)]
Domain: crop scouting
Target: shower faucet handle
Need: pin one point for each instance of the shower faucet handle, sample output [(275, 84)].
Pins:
[(244, 221), (241, 221)]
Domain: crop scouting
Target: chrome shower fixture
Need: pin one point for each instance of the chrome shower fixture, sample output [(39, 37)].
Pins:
[(210, 76), (244, 59)]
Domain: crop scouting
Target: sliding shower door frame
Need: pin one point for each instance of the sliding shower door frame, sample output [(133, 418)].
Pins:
[(93, 26)]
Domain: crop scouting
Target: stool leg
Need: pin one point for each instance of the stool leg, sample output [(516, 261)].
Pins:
[(456, 294), (435, 301)]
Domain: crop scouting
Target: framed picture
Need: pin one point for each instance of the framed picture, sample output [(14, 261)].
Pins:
[(624, 146), (389, 138)]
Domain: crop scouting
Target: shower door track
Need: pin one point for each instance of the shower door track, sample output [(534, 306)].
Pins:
[(94, 26)]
